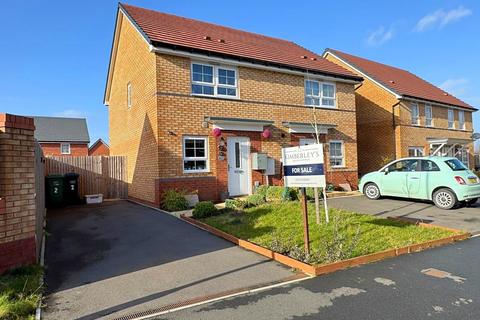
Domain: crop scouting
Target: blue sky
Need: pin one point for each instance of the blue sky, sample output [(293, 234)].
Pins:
[(54, 54)]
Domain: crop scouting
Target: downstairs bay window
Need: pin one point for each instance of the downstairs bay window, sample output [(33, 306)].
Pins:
[(195, 154), (337, 154)]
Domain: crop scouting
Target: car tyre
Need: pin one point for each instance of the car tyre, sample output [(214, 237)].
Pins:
[(445, 199), (371, 191)]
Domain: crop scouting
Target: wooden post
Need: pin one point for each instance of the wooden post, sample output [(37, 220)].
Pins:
[(306, 237)]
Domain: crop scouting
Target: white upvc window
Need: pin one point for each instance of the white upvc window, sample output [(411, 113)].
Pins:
[(215, 81), (414, 114), (461, 120), (428, 115), (195, 154), (415, 152), (336, 154), (321, 94), (65, 148), (129, 95), (451, 119)]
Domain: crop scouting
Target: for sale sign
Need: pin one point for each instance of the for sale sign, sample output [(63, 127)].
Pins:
[(303, 166)]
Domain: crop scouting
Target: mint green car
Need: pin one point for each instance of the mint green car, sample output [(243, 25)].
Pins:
[(444, 180)]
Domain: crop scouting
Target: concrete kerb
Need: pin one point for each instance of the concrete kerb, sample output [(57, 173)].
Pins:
[(315, 270)]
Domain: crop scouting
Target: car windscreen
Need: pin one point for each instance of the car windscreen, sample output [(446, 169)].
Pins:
[(456, 165)]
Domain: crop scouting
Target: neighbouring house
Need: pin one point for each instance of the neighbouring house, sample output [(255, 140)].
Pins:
[(400, 115), (99, 148), (62, 136), (196, 106)]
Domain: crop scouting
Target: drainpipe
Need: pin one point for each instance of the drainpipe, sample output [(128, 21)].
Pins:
[(394, 124)]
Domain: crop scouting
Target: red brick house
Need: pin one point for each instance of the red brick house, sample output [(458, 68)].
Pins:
[(193, 105), (399, 114), (62, 136), (99, 148)]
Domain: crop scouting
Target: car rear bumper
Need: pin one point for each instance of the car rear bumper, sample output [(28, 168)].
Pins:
[(469, 192)]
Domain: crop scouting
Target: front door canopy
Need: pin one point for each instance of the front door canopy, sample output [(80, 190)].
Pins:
[(238, 124), (305, 127), (451, 142)]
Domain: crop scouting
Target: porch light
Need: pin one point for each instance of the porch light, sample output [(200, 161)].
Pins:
[(266, 133), (217, 132)]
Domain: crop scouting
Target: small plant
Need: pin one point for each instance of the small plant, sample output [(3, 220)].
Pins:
[(255, 200), (174, 200), (341, 246), (275, 193), (204, 209), (262, 191), (235, 204)]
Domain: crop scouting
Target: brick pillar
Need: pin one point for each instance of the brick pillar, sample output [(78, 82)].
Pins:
[(17, 192)]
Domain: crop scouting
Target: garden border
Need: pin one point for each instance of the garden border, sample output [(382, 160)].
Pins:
[(316, 270)]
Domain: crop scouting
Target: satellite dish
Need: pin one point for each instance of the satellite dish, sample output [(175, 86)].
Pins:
[(476, 136)]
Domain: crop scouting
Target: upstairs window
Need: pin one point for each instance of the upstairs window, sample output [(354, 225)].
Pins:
[(451, 119), (428, 116), (461, 120), (65, 148), (129, 95), (320, 94), (209, 80), (337, 158), (414, 114)]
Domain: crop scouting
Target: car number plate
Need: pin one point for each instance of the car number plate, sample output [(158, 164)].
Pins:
[(472, 180)]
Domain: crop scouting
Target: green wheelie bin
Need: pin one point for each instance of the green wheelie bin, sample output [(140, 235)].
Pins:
[(54, 189)]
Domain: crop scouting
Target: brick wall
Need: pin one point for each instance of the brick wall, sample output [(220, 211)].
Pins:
[(76, 149), (134, 131), (17, 192), (99, 149)]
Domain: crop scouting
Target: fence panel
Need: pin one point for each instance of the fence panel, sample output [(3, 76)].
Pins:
[(98, 174), (39, 195)]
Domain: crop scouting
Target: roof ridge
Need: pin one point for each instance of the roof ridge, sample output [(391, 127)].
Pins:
[(57, 117), (205, 22)]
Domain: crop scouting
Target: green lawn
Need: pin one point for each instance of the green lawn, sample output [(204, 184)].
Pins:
[(279, 227), (20, 292)]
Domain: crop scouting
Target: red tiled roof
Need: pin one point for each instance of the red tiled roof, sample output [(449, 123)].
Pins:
[(400, 81), (188, 33)]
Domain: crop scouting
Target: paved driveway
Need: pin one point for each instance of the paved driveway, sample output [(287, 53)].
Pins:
[(121, 258), (464, 218)]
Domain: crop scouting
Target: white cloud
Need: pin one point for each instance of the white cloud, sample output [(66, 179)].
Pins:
[(457, 87), (70, 113), (441, 18), (380, 36)]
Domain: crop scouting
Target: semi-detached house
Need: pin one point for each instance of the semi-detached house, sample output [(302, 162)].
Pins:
[(193, 105), (400, 115)]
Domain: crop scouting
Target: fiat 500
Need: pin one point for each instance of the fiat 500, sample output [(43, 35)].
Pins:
[(445, 181)]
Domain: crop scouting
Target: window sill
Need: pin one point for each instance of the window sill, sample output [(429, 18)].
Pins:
[(193, 172), (320, 107), (214, 97)]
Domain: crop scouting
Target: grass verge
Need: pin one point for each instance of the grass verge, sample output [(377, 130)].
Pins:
[(279, 227), (20, 293)]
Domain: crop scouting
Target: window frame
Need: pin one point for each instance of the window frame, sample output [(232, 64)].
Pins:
[(129, 95), (330, 157), (422, 149), (206, 158), (429, 107), (215, 84), (461, 120), (452, 122), (416, 107), (320, 94), (422, 161), (65, 144)]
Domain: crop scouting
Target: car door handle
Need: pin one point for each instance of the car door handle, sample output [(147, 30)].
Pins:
[(414, 178)]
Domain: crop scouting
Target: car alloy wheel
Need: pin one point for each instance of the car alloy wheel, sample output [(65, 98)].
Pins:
[(444, 199), (372, 191)]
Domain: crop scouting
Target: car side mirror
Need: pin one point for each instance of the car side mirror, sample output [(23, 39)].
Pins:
[(386, 171)]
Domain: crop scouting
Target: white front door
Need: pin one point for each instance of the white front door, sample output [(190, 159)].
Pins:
[(238, 155), (306, 142)]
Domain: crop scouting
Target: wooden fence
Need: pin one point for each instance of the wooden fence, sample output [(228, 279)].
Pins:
[(105, 175), (39, 195)]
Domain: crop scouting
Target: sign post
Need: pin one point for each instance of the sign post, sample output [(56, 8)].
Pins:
[(303, 167)]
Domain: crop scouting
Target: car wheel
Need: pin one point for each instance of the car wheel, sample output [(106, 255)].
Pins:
[(371, 191), (445, 199), (471, 202)]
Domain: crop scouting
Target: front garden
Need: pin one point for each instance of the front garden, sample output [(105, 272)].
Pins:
[(272, 218)]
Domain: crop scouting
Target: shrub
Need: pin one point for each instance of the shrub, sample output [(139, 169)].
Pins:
[(255, 200), (204, 209), (174, 200), (235, 204), (274, 193), (262, 191)]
